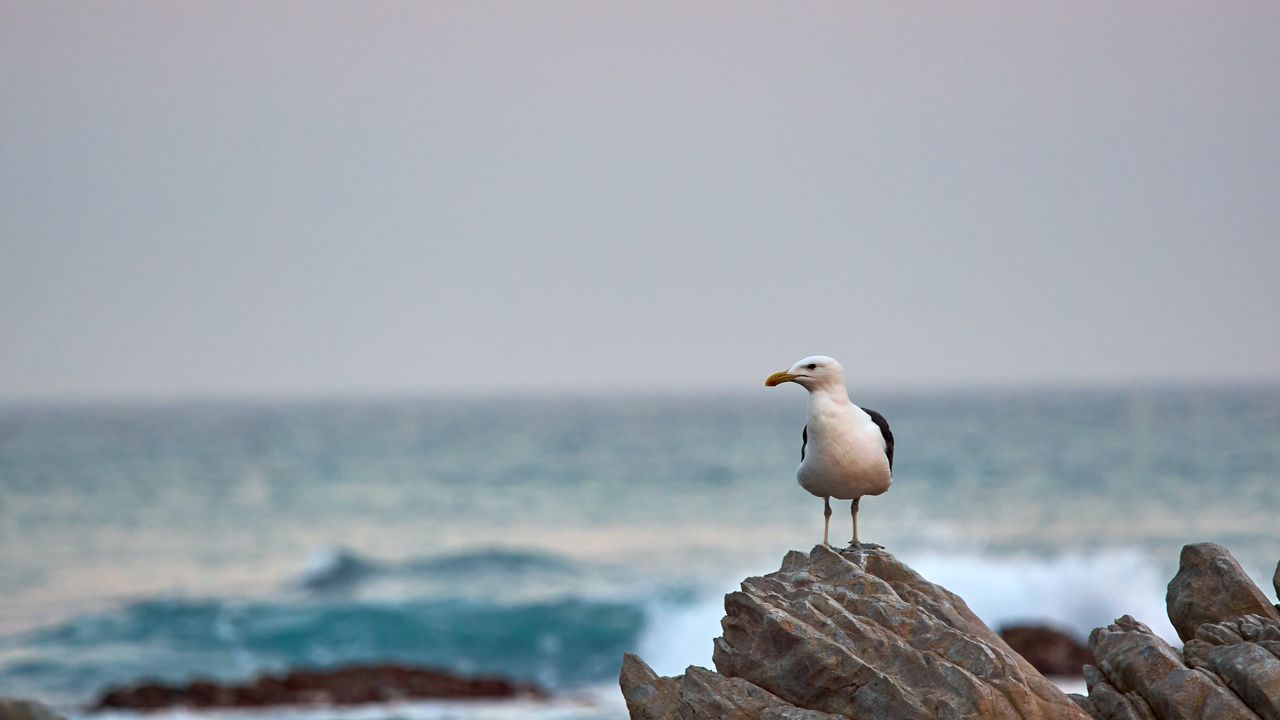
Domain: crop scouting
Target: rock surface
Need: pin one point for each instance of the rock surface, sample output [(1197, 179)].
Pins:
[(1137, 662), (700, 693), (1246, 655), (1211, 587), (859, 635), (1051, 651), (344, 686), (856, 635), (1229, 667), (15, 709)]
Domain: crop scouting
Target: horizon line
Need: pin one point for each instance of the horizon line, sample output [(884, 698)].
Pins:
[(592, 391)]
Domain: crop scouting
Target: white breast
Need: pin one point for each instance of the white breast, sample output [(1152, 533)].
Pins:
[(845, 456)]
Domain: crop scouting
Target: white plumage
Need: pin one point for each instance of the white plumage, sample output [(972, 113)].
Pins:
[(847, 451)]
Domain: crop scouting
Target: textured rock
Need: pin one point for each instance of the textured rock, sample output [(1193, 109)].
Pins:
[(1228, 668), (1107, 703), (343, 686), (15, 709), (1051, 651), (1211, 587), (1241, 654), (1134, 660), (700, 693), (861, 634)]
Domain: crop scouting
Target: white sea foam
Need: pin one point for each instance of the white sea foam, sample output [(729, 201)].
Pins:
[(1075, 591), (679, 635)]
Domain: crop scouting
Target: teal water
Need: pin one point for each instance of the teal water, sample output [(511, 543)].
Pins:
[(541, 538)]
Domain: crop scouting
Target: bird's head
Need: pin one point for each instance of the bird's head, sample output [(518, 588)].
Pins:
[(816, 371)]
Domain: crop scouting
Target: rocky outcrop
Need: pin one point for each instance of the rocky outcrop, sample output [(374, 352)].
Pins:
[(1137, 663), (1229, 667), (1211, 587), (860, 635), (1051, 651), (1246, 654), (343, 686), (855, 635), (15, 709)]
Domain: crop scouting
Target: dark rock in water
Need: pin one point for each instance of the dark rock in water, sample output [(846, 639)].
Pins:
[(854, 634), (15, 709), (1211, 587), (1050, 651), (344, 686)]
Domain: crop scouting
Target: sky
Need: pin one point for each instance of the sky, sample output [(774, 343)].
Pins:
[(207, 199)]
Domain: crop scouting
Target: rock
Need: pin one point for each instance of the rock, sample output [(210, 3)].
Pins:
[(1107, 703), (1134, 661), (1275, 581), (1050, 651), (1211, 587), (344, 686), (862, 635), (1240, 653), (1228, 668), (856, 635), (859, 635), (15, 709), (700, 693)]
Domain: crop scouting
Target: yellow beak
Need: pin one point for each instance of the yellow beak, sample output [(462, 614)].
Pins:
[(778, 378)]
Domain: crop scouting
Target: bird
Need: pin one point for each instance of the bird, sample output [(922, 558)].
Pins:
[(846, 451)]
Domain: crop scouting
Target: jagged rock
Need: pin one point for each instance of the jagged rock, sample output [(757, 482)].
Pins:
[(1211, 587), (1240, 653), (1134, 660), (700, 693), (16, 709), (1107, 703), (1051, 651), (862, 635), (859, 635)]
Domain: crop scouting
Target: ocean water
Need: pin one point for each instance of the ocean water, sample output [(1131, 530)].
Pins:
[(540, 538)]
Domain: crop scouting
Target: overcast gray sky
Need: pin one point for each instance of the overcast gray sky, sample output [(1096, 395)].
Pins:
[(294, 198)]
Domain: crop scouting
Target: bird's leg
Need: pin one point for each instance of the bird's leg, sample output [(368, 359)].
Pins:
[(854, 544), (826, 525)]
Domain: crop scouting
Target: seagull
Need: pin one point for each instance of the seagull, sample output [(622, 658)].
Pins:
[(852, 450)]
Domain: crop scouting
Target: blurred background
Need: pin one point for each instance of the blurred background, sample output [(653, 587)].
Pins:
[(436, 332)]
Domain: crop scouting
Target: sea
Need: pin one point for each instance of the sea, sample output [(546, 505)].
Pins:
[(540, 538)]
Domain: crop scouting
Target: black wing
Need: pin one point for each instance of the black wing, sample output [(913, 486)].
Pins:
[(804, 437), (883, 424)]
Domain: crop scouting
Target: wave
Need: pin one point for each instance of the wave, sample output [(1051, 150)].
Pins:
[(1075, 591), (339, 568), (562, 644)]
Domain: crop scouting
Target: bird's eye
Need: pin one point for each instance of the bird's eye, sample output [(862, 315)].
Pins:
[(813, 366)]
